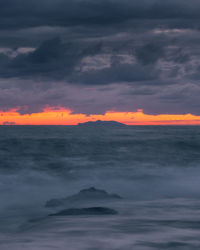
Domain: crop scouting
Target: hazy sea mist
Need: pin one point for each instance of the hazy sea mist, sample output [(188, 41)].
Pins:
[(156, 169)]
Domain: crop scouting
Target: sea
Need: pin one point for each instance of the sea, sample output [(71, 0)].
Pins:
[(155, 169)]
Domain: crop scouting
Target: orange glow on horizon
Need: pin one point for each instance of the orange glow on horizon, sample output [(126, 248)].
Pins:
[(62, 116)]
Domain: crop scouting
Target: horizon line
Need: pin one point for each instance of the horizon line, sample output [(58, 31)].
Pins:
[(65, 117)]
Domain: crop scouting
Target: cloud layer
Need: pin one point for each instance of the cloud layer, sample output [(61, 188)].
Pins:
[(98, 55)]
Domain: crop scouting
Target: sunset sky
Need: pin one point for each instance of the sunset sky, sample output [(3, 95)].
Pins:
[(70, 61)]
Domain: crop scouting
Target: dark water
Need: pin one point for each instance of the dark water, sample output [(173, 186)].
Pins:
[(155, 169)]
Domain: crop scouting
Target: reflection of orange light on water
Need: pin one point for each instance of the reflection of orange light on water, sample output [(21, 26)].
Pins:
[(62, 116)]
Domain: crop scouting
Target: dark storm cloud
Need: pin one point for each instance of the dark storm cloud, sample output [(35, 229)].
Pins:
[(150, 53), (22, 13), (95, 55), (51, 60), (118, 73)]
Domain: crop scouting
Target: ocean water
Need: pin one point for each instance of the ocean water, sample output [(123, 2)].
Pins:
[(156, 169)]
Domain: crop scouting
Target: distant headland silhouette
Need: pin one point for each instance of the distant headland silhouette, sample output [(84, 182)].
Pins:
[(100, 123)]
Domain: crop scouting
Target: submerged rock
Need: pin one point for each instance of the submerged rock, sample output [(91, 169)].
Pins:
[(55, 202), (85, 195), (85, 211)]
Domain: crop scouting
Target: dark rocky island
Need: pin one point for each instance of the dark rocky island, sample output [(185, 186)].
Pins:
[(85, 211), (100, 123), (86, 195)]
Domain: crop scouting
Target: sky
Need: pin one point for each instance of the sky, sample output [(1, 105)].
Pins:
[(69, 61)]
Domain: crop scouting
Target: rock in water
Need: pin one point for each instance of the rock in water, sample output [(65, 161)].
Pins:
[(86, 211), (85, 195), (93, 193)]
